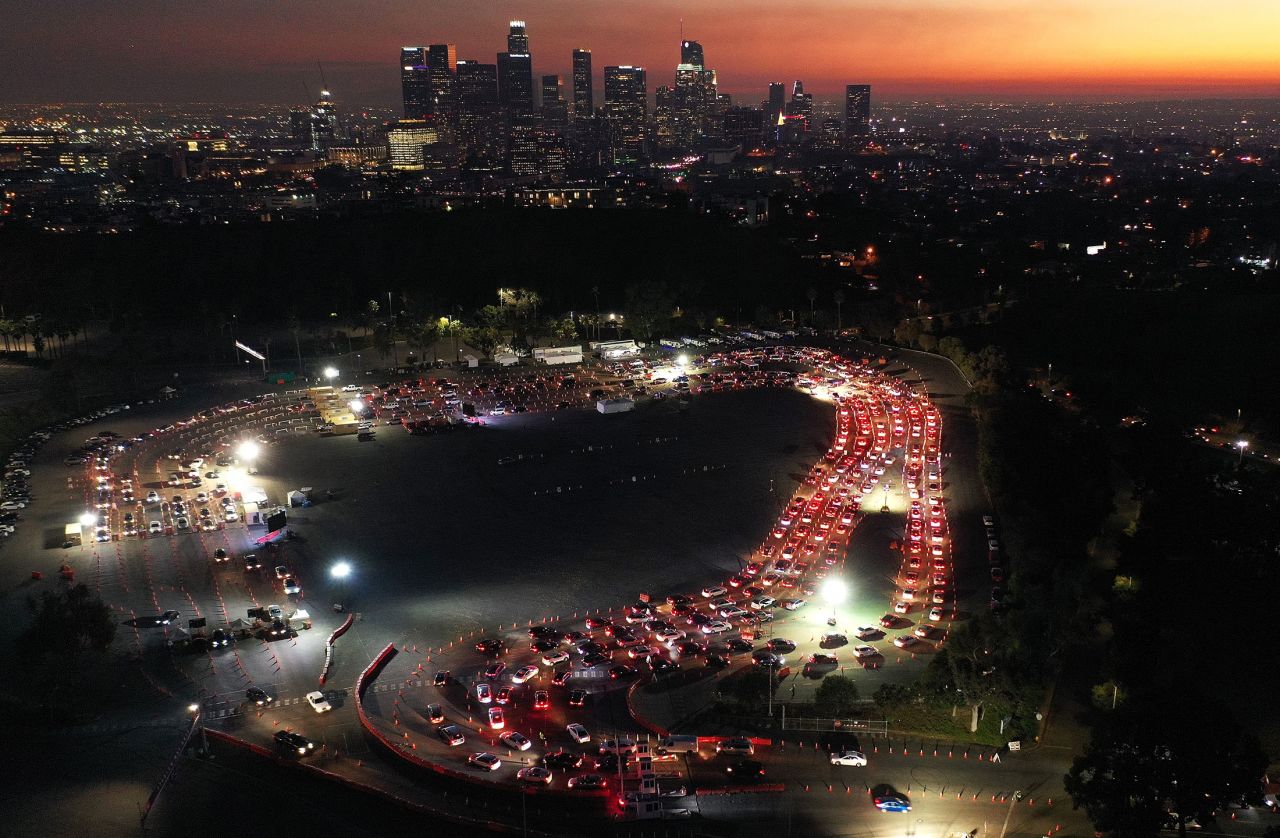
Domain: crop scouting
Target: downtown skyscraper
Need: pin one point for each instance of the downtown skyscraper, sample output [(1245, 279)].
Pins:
[(693, 99), (415, 82), (857, 110), (515, 72), (583, 87), (626, 112)]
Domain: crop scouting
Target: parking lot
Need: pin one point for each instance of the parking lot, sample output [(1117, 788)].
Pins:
[(535, 515)]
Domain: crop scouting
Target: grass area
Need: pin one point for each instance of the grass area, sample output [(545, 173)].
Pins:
[(930, 723)]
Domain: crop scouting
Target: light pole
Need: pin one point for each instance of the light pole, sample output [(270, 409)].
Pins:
[(391, 332), (1241, 444), (834, 592), (330, 373), (340, 572), (248, 451)]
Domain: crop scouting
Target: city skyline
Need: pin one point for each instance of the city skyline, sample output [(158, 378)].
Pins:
[(945, 50)]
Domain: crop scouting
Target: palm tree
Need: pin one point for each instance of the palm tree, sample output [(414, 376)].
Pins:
[(812, 294), (838, 296), (295, 329)]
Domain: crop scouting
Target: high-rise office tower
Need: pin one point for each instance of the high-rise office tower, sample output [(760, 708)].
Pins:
[(694, 97), (625, 110), (324, 121), (801, 105), (664, 117), (555, 110), (415, 82), (479, 119), (300, 127), (691, 53), (406, 139), (857, 109), (515, 72), (776, 104), (583, 90), (442, 61)]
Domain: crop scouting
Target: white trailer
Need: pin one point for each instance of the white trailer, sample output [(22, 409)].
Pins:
[(615, 405)]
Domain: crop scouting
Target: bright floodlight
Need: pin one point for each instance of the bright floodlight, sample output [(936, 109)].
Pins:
[(682, 359), (834, 591), (330, 373), (88, 519), (248, 450), (356, 405), (1242, 444), (192, 708), (341, 570)]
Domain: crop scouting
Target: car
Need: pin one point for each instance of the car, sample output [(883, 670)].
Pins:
[(578, 733), (850, 758), (542, 645), (487, 761), (435, 714), (905, 641), (737, 644), (553, 658), (495, 670), (595, 659), (291, 586), (202, 497), (887, 800), (490, 646), (155, 528), (748, 770), (221, 555), (258, 696), (762, 602), (441, 678), (588, 782), (735, 745), (641, 652), (534, 774), (523, 674), (541, 700), (281, 571), (561, 677), (621, 671), (484, 693), (764, 657), (515, 740), (577, 698), (713, 592), (563, 760), (294, 742), (503, 696), (318, 702), (219, 638), (715, 661), (182, 523), (793, 604), (935, 613), (275, 612), (928, 632), (819, 659), (716, 627), (901, 607), (594, 623), (781, 646), (251, 562), (669, 635), (865, 651), (451, 735)]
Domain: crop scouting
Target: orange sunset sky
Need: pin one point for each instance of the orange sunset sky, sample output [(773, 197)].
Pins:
[(267, 50)]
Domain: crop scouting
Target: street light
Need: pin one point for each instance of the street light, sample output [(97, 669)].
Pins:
[(834, 592), (340, 571), (193, 708), (1241, 444), (330, 373)]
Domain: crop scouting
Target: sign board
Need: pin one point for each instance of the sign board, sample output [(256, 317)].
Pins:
[(276, 520)]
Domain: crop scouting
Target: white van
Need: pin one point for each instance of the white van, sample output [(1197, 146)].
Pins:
[(678, 745)]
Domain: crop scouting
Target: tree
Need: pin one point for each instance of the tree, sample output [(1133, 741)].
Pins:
[(837, 696), (65, 623), (295, 329), (812, 295), (649, 308), (564, 330), (751, 689), (838, 298), (928, 343), (1173, 750), (975, 668), (890, 697), (484, 338)]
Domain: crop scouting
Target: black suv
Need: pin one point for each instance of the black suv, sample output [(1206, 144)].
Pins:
[(295, 742)]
